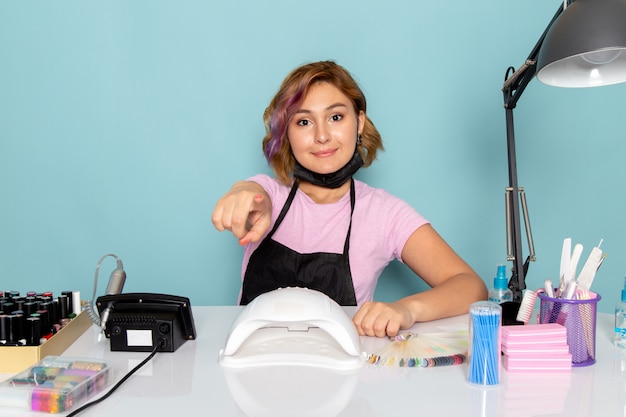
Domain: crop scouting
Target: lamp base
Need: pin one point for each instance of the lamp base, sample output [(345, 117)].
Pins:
[(509, 313)]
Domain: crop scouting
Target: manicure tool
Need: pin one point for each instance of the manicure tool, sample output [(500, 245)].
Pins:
[(588, 273), (566, 255)]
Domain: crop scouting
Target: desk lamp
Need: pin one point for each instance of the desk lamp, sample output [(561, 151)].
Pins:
[(584, 45)]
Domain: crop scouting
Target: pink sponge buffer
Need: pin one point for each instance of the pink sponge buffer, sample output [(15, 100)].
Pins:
[(536, 348)]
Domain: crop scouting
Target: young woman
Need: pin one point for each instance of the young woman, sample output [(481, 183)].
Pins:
[(315, 226)]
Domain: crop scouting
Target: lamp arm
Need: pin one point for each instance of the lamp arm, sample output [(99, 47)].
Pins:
[(529, 233), (514, 86)]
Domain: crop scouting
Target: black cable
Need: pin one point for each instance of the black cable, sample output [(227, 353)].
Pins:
[(116, 386)]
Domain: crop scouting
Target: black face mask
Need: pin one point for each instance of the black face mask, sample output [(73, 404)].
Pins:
[(333, 180)]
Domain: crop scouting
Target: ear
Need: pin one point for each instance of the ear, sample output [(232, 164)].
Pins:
[(361, 124)]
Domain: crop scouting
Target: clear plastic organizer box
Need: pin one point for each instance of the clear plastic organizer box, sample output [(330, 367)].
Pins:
[(56, 384)]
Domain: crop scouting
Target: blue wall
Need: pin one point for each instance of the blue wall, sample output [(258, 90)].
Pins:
[(121, 123)]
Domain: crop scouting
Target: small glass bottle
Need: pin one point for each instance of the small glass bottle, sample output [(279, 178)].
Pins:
[(500, 292), (620, 320)]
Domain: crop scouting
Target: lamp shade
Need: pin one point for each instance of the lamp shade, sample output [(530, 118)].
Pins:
[(586, 46)]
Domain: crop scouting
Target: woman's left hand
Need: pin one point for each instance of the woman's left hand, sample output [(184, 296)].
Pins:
[(454, 287), (382, 319)]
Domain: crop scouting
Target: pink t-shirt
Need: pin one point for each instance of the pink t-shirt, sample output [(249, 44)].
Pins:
[(381, 225)]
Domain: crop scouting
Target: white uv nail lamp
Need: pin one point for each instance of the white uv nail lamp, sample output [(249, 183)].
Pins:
[(293, 326), (292, 351)]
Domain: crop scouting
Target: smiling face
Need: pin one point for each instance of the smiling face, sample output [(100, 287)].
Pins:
[(323, 131)]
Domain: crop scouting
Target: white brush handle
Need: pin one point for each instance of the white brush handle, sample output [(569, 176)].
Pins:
[(548, 288), (570, 290), (566, 254)]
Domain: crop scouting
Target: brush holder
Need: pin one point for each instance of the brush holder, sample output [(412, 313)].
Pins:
[(578, 316), (484, 343)]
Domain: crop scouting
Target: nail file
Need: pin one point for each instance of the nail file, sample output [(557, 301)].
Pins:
[(573, 266), (564, 273), (588, 273)]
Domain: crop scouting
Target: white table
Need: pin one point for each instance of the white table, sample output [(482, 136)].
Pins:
[(191, 382)]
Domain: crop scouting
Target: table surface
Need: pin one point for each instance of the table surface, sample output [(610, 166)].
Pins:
[(191, 381)]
